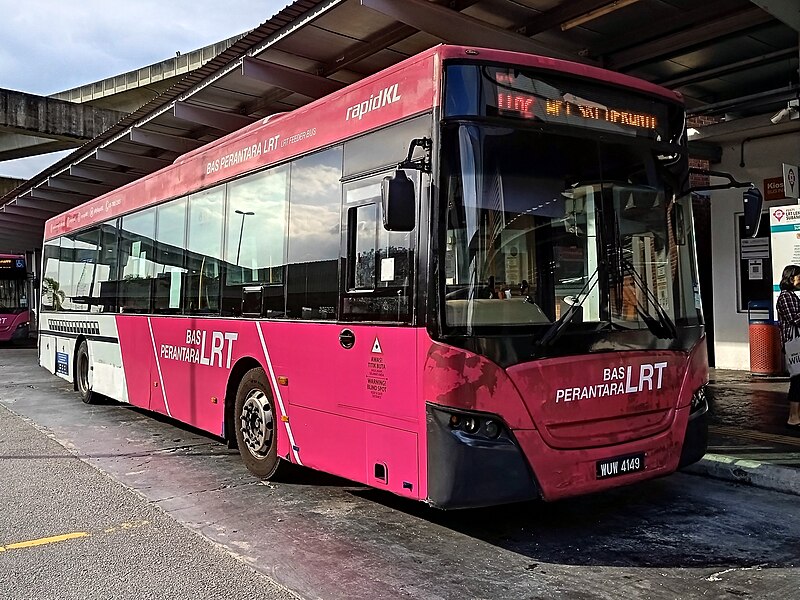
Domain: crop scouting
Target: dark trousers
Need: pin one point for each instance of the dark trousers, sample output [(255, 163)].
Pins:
[(794, 388)]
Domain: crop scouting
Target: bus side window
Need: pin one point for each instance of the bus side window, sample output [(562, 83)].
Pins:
[(77, 269), (201, 291), (314, 235), (105, 286), (255, 244), (136, 254), (52, 296), (169, 257)]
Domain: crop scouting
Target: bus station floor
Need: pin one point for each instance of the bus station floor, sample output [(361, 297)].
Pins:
[(749, 440)]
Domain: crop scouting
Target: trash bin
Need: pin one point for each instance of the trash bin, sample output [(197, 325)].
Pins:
[(766, 356)]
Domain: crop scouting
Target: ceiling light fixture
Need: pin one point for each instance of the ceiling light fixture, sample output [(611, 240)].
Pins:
[(792, 111), (597, 12)]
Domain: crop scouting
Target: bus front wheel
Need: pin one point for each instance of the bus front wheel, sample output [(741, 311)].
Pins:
[(256, 422), (82, 367)]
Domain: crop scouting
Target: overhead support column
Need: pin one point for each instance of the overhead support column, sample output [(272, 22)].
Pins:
[(457, 28), (218, 119), (293, 80)]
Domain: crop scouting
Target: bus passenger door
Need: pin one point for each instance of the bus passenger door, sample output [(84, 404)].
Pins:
[(379, 350)]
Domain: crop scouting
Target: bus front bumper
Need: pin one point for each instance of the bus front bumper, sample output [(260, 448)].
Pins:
[(466, 471)]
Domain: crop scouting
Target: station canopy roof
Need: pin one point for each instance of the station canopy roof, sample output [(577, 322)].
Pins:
[(735, 62)]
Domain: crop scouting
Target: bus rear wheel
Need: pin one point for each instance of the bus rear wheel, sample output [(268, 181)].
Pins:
[(82, 373), (256, 422)]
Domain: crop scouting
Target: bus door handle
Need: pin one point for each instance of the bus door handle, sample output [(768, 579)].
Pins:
[(347, 339)]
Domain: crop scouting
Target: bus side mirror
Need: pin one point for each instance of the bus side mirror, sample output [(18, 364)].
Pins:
[(399, 202), (752, 201)]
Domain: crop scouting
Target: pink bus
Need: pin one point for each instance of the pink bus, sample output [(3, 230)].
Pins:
[(468, 279), (14, 313)]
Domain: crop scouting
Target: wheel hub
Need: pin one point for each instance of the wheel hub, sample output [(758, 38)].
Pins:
[(257, 423)]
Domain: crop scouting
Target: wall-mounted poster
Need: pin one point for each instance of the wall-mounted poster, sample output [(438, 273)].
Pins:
[(784, 226)]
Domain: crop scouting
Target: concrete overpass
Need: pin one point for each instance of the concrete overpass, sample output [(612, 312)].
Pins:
[(31, 124)]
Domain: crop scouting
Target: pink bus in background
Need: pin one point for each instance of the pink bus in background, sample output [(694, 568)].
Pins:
[(14, 312), (468, 279)]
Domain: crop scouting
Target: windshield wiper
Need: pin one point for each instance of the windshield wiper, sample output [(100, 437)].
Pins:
[(663, 328), (558, 327)]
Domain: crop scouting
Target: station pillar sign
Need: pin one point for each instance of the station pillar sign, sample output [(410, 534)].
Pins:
[(784, 228)]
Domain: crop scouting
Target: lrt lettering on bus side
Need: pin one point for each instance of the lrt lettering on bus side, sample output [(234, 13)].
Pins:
[(617, 381), (219, 341), (646, 372)]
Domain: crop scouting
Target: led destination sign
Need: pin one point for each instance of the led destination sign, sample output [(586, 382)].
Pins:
[(12, 263), (12, 267), (520, 105), (517, 94)]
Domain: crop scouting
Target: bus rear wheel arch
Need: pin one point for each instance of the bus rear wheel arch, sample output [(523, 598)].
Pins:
[(256, 423)]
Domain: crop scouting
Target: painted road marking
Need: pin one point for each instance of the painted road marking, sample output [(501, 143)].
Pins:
[(786, 440), (71, 536), (43, 541)]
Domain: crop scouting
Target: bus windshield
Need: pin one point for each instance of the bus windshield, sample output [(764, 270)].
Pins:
[(12, 295), (563, 234)]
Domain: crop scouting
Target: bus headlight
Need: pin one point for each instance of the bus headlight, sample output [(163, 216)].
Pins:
[(491, 429), (476, 426)]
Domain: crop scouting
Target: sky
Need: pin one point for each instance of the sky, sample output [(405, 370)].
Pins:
[(48, 46)]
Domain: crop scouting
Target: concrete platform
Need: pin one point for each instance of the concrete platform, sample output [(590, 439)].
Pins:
[(750, 442)]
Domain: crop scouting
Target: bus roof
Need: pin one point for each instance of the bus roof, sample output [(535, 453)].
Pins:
[(398, 92)]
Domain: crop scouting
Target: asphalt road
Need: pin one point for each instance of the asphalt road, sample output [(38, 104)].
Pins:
[(170, 512)]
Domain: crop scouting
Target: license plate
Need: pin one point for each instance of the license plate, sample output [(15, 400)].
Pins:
[(620, 465)]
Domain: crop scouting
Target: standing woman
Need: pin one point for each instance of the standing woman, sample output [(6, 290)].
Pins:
[(788, 306)]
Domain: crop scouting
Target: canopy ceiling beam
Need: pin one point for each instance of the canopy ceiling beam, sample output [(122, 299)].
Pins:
[(56, 207), (734, 67), (671, 45), (67, 197), (90, 189), (29, 224), (164, 141), (559, 14), (785, 11), (218, 119), (457, 28), (286, 78), (115, 178), (144, 163), (25, 211)]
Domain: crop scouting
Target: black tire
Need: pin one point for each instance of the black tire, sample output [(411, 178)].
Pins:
[(82, 366), (256, 424)]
